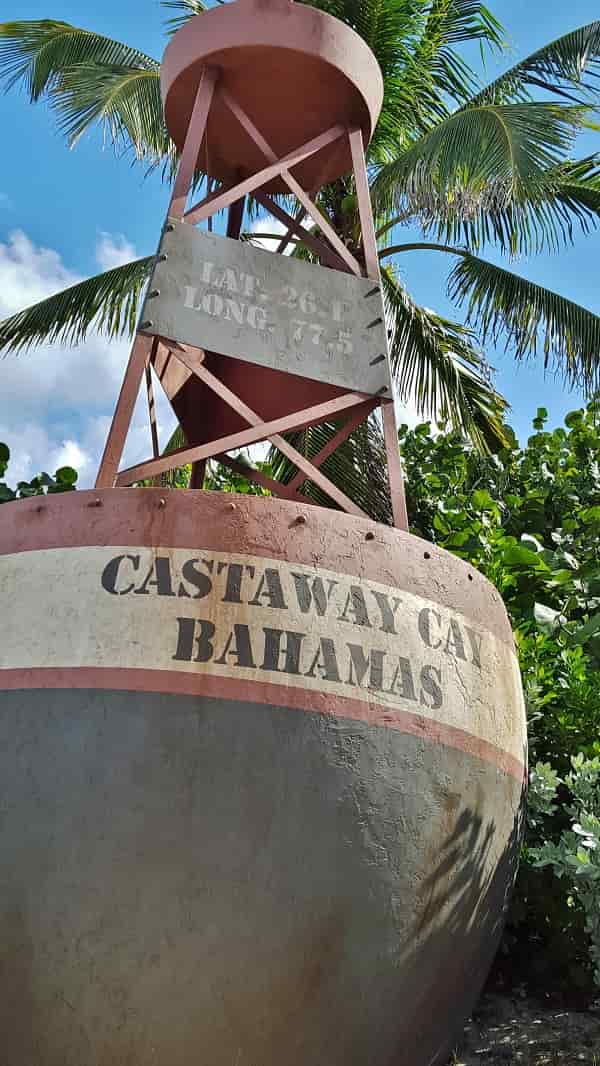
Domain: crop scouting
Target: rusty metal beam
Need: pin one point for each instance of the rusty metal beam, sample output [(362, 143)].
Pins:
[(339, 438), (274, 486), (390, 433), (188, 357), (364, 204), (263, 431), (193, 141), (152, 412), (115, 442), (224, 198), (309, 206), (325, 253)]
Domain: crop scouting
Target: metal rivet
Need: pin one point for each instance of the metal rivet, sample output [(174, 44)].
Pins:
[(426, 555), (163, 257), (95, 503), (169, 227), (155, 292), (370, 535), (232, 507), (162, 502), (381, 391), (470, 577), (301, 519), (146, 325)]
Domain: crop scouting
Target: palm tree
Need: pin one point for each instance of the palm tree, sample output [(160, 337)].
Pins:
[(463, 167)]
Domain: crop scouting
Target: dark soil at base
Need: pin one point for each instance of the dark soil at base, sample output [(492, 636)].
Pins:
[(510, 1028)]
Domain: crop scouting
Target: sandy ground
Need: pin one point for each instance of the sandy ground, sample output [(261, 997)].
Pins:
[(518, 1030)]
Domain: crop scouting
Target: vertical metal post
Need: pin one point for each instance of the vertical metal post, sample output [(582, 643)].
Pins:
[(364, 204), (130, 388), (371, 254), (193, 142), (198, 472), (152, 409), (235, 217), (390, 434)]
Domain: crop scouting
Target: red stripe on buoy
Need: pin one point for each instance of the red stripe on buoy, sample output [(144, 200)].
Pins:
[(189, 684)]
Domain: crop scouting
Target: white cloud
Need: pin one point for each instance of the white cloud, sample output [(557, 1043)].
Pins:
[(271, 225), (70, 454), (56, 402), (113, 250)]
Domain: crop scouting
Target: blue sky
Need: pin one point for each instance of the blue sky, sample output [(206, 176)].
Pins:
[(65, 214)]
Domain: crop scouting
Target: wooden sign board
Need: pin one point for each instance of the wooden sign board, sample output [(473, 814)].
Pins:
[(273, 310)]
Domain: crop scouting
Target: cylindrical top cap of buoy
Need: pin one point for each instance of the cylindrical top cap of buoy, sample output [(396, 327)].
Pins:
[(294, 70)]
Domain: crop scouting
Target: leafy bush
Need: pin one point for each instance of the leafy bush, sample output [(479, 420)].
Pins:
[(575, 857), (529, 519), (63, 481)]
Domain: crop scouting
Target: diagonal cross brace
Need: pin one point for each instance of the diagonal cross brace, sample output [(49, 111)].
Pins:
[(311, 208), (276, 487), (325, 253), (342, 434), (259, 431), (225, 197), (309, 469)]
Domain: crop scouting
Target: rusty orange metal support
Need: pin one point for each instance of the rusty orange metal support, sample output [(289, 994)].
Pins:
[(190, 388)]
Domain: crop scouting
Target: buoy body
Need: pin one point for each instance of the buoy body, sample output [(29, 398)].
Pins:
[(262, 772)]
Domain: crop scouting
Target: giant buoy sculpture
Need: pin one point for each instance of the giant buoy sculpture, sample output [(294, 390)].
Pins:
[(261, 761)]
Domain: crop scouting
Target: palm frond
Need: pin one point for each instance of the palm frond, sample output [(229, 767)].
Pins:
[(186, 9), (107, 302), (388, 28), (391, 30), (568, 67), (452, 22), (126, 101), (530, 318), (358, 466), (438, 368), (479, 159), (176, 440), (413, 42), (35, 53), (88, 78), (547, 220)]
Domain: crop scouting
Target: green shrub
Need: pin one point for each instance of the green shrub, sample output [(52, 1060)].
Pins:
[(529, 519), (63, 481), (575, 856)]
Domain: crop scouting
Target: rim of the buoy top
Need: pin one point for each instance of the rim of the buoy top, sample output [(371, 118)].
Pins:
[(274, 527), (242, 24)]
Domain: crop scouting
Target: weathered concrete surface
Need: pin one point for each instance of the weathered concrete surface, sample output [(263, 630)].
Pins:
[(242, 825), (188, 880), (271, 310)]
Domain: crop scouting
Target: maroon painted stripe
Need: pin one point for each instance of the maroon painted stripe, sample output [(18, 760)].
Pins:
[(189, 684)]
